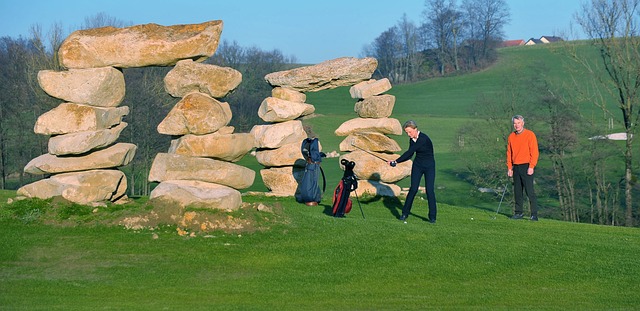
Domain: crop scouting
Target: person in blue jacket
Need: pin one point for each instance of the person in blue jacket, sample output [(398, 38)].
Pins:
[(424, 164)]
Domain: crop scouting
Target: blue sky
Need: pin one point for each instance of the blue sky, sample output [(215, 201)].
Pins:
[(312, 31)]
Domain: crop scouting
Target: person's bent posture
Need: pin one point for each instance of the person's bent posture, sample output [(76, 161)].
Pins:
[(424, 164)]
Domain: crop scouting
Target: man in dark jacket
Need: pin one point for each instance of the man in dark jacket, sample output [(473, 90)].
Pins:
[(423, 164)]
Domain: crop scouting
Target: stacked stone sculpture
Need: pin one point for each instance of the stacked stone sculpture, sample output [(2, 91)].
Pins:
[(278, 143), (367, 141), (198, 170), (82, 158)]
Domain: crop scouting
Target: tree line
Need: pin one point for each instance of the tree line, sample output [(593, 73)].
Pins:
[(450, 39), (23, 101)]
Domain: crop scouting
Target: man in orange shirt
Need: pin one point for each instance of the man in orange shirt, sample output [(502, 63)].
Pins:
[(522, 157)]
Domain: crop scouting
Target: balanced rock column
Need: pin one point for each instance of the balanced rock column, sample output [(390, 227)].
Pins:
[(82, 158), (278, 142), (367, 141), (198, 169)]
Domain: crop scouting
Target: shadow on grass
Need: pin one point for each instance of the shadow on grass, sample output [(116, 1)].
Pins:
[(393, 204)]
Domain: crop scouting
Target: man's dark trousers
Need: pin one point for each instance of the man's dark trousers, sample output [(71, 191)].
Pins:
[(522, 181)]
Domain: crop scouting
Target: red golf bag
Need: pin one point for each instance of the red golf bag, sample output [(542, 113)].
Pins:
[(341, 201)]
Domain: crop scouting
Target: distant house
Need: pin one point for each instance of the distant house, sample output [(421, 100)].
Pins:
[(550, 39), (512, 43), (533, 41), (543, 40)]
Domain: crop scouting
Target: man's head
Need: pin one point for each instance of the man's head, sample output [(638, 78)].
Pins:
[(411, 129), (518, 123)]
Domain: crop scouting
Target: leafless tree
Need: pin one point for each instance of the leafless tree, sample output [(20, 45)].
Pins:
[(386, 49), (103, 19), (254, 64), (560, 139), (409, 62), (20, 102), (486, 20), (13, 88), (485, 139), (148, 104), (229, 54), (611, 26), (442, 26)]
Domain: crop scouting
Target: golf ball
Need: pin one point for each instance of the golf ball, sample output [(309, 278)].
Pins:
[(471, 218)]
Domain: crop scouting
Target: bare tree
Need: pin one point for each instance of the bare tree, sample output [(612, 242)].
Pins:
[(386, 49), (612, 27), (103, 19), (409, 56), (486, 138), (442, 26), (148, 104), (456, 26), (254, 64), (19, 105), (486, 20), (228, 55), (13, 88), (560, 140)]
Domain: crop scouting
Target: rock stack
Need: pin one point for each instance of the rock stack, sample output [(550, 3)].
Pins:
[(367, 141), (278, 143), (82, 158), (198, 168)]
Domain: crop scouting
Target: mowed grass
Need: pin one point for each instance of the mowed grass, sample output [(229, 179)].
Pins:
[(312, 261)]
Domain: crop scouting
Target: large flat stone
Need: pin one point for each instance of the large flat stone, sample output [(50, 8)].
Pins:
[(345, 71), (178, 167), (197, 194), (140, 45)]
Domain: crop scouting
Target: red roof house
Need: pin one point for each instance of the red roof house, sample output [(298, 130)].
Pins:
[(512, 43)]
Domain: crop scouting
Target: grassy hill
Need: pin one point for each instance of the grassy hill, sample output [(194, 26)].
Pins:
[(295, 257)]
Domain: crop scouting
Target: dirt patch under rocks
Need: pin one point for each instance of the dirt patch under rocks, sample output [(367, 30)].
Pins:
[(250, 217)]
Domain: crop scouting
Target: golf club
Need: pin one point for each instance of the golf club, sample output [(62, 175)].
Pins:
[(371, 153), (358, 199), (500, 204)]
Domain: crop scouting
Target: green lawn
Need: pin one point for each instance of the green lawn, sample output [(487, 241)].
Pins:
[(308, 260), (312, 261)]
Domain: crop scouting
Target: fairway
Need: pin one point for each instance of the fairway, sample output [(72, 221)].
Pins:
[(301, 258), (312, 261)]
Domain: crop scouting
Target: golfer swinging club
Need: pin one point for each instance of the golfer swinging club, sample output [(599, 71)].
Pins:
[(423, 164)]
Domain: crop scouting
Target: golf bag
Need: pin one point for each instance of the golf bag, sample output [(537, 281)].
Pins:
[(341, 201), (308, 191)]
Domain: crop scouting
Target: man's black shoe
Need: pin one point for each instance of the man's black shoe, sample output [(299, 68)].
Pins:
[(403, 217), (517, 216), (433, 221), (534, 218)]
